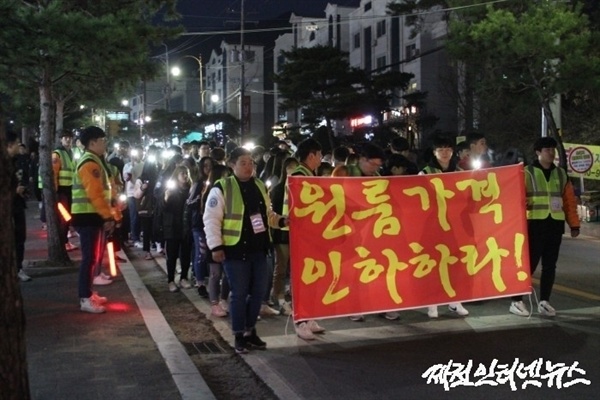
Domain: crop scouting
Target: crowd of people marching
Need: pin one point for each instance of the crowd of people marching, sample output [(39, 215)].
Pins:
[(213, 213)]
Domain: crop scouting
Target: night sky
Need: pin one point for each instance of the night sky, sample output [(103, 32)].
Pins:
[(224, 15)]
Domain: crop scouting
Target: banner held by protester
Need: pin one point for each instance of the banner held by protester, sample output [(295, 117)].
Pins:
[(369, 245)]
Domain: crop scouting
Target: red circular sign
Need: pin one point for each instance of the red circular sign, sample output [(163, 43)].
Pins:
[(581, 159)]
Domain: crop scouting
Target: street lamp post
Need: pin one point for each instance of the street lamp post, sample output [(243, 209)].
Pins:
[(213, 98), (201, 80)]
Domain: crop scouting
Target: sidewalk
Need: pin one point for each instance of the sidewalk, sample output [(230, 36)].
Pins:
[(130, 352)]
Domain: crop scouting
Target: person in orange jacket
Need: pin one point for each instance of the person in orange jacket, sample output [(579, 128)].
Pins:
[(550, 202), (93, 212)]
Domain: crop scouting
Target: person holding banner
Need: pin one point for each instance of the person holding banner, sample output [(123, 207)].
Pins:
[(478, 153), (442, 162), (550, 202), (64, 166), (235, 219), (93, 213), (309, 155), (369, 163)]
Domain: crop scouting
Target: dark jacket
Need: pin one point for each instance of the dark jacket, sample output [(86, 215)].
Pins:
[(277, 193), (193, 207), (172, 213)]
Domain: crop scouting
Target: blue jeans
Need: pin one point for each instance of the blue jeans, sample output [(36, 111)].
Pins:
[(248, 282), (270, 266), (90, 239), (199, 255), (134, 225)]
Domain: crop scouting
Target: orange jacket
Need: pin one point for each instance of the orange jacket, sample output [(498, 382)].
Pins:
[(90, 174), (570, 206)]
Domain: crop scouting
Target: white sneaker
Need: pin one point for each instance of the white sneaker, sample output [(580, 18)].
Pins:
[(432, 311), (101, 281), (546, 309), (105, 276), (458, 308), (138, 245), (96, 298), (303, 331), (286, 308), (391, 316), (89, 305), (518, 308), (357, 318), (185, 284), (314, 326), (266, 311), (173, 287), (224, 305), (23, 277)]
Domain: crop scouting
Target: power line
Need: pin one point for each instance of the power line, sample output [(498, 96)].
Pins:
[(345, 20)]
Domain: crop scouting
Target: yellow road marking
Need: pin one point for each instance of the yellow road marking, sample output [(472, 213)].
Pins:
[(575, 292)]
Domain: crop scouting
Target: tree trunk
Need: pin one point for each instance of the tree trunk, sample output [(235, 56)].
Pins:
[(57, 254), (14, 381), (60, 115)]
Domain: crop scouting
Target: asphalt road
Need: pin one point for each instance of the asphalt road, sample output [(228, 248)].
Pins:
[(382, 359)]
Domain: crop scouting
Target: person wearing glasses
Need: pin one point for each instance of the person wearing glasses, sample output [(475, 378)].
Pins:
[(370, 161), (442, 162)]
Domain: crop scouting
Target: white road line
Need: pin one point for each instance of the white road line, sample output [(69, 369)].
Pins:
[(188, 380)]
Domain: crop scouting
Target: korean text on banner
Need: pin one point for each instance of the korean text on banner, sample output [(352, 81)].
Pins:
[(373, 244)]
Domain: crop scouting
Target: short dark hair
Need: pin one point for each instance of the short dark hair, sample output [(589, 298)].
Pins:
[(397, 160), (546, 142), (399, 144), (91, 133), (370, 151), (462, 146), (440, 142), (237, 153), (340, 153), (11, 137), (474, 137), (218, 153), (306, 147)]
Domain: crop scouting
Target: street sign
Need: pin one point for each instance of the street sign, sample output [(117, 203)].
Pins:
[(581, 159)]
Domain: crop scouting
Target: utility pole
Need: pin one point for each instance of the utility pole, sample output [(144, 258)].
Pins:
[(242, 74), (168, 88)]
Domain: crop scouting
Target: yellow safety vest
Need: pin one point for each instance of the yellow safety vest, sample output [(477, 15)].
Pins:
[(544, 198), (67, 168), (300, 170), (233, 218), (81, 203)]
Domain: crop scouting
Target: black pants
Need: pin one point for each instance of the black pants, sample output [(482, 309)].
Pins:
[(182, 249), (146, 224), (20, 235), (64, 197), (545, 238)]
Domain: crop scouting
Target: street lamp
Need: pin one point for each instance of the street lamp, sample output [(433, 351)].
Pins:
[(198, 59)]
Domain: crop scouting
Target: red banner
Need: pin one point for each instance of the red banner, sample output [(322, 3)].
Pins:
[(374, 244)]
